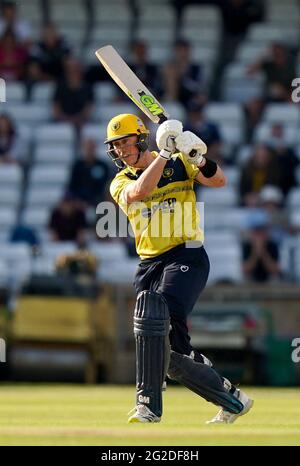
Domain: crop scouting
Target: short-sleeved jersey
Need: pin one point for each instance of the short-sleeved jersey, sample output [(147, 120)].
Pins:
[(168, 216)]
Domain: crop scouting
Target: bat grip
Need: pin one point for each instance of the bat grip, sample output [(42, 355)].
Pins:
[(162, 118)]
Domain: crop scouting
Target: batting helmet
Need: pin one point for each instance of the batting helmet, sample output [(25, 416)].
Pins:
[(122, 126)]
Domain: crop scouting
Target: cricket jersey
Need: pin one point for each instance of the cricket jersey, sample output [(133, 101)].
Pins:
[(168, 216)]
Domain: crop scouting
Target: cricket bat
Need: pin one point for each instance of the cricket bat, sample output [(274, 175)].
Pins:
[(125, 78)]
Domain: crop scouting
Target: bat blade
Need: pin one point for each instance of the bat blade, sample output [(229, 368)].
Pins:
[(125, 78)]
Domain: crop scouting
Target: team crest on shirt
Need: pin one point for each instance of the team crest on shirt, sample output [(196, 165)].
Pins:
[(115, 126), (168, 172)]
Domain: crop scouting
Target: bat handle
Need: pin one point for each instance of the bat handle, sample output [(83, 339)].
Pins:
[(162, 118)]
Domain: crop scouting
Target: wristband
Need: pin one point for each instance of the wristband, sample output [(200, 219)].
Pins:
[(165, 154), (209, 169)]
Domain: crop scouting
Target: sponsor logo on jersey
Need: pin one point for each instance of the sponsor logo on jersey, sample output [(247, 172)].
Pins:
[(184, 268)]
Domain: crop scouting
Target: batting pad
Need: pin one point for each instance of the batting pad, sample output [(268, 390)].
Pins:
[(203, 380), (151, 330)]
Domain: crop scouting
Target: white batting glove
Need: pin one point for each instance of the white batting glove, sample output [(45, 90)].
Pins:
[(165, 137), (192, 147)]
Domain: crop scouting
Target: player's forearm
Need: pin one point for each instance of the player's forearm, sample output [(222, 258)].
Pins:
[(147, 182), (216, 181)]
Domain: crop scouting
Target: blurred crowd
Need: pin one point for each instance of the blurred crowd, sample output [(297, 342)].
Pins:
[(267, 174)]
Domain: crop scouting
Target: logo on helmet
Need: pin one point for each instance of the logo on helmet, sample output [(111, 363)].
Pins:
[(115, 126)]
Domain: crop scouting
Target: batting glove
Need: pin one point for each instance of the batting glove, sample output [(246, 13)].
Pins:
[(192, 147), (165, 137)]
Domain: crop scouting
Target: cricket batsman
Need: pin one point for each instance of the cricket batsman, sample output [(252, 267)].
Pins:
[(156, 192)]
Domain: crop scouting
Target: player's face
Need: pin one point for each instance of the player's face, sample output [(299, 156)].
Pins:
[(127, 150)]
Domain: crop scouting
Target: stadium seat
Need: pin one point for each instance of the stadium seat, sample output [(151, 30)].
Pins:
[(111, 12), (225, 197), (222, 112), (17, 257), (162, 37), (29, 113), (228, 219), (43, 196), (293, 199), (94, 131), (115, 35), (205, 36), (201, 16), (60, 154), (105, 92), (31, 10), (263, 133), (52, 250), (222, 238), (283, 13), (108, 252), (243, 154), (4, 279), (233, 175), (175, 110), (15, 92), (249, 52), (54, 133), (159, 55), (35, 217), (10, 196), (204, 54), (42, 92), (232, 134), (238, 86), (48, 175), (10, 175), (156, 17), (282, 113), (105, 112), (227, 272), (294, 216), (8, 217), (270, 32), (121, 272), (68, 13)]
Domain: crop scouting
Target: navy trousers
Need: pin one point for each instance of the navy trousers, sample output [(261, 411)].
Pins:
[(179, 275)]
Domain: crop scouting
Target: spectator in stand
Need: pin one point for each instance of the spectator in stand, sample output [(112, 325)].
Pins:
[(286, 157), (260, 251), (253, 109), (271, 201), (89, 175), (261, 169), (146, 71), (181, 78), (10, 146), (68, 222), (279, 69), (48, 55), (204, 129), (13, 57), (10, 20), (73, 98)]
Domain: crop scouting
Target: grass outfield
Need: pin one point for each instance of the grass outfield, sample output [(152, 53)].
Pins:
[(97, 415)]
